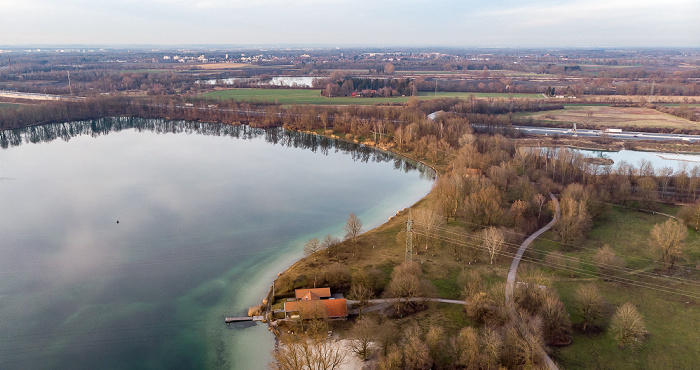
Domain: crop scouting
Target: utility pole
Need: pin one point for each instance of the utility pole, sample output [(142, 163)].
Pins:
[(409, 239)]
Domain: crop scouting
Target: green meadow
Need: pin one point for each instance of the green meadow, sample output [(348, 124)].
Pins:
[(313, 96)]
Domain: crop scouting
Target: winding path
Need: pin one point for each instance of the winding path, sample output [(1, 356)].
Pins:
[(510, 282), (378, 304)]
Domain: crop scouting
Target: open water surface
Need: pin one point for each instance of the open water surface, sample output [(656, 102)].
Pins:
[(208, 214)]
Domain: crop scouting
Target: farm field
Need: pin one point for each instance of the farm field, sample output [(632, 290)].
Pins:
[(670, 318), (606, 116), (313, 97), (154, 71), (470, 73), (216, 66), (8, 105), (657, 99)]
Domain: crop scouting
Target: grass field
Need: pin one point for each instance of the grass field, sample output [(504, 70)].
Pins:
[(672, 320), (155, 71), (313, 97), (661, 99), (606, 116), (218, 66), (8, 105)]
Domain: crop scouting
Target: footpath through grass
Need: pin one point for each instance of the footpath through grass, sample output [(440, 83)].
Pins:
[(673, 320), (313, 96)]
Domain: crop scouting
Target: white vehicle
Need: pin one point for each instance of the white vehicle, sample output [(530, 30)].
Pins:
[(612, 130)]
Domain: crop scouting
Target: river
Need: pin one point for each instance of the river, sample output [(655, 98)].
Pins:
[(125, 242)]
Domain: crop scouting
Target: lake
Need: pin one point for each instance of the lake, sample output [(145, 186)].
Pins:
[(207, 215)]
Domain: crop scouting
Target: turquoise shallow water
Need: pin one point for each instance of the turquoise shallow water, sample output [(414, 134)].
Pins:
[(208, 214)]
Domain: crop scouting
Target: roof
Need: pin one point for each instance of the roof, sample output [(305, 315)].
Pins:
[(333, 308), (310, 296), (320, 292), (336, 308)]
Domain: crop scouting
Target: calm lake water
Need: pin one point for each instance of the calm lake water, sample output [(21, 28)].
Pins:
[(659, 160), (208, 214)]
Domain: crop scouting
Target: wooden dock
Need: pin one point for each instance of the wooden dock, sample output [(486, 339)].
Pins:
[(229, 320)]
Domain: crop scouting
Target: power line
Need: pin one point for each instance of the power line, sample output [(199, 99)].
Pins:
[(621, 269), (637, 283), (645, 259)]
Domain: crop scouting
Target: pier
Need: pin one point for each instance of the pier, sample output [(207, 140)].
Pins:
[(229, 320)]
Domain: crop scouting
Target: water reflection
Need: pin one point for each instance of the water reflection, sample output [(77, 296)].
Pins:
[(206, 223), (277, 136)]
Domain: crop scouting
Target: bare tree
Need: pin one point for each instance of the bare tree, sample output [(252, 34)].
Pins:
[(449, 195), (691, 215), (667, 239), (574, 222), (492, 344), (405, 283), (362, 294), (392, 360), (353, 228), (299, 352), (389, 69), (627, 325), (363, 334), (311, 310), (427, 223), (665, 175), (329, 241), (556, 326), (648, 191), (493, 241), (387, 335), (470, 281), (416, 354), (311, 247), (483, 206), (465, 346), (437, 345), (589, 303), (607, 261)]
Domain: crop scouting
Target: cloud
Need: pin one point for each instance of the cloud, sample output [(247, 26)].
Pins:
[(389, 22), (594, 11)]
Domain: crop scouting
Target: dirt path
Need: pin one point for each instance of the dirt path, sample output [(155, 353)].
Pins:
[(510, 282)]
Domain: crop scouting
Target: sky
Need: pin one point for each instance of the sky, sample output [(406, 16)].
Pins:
[(458, 23)]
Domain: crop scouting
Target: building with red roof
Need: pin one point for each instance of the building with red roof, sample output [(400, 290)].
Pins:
[(317, 303)]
